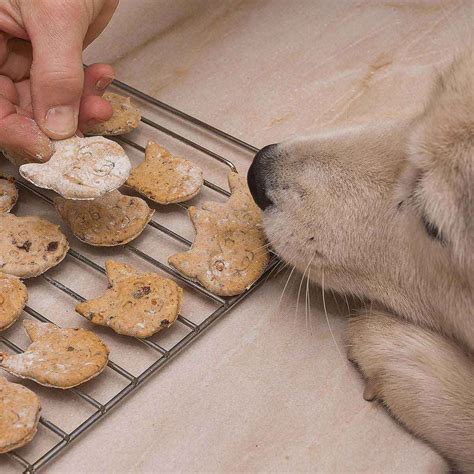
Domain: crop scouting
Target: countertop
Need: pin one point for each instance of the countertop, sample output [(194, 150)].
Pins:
[(268, 388)]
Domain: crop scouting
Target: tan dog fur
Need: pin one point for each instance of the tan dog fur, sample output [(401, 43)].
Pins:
[(354, 203)]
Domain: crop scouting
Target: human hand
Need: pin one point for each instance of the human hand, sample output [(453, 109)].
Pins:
[(44, 91)]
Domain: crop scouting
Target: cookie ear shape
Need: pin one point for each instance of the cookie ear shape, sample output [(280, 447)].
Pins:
[(81, 168), (185, 263), (13, 298), (117, 271), (240, 205), (56, 357), (19, 415), (137, 304), (29, 245), (37, 330), (8, 194), (125, 117), (164, 178)]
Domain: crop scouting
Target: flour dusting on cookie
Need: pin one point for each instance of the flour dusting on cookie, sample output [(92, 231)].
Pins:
[(81, 168), (61, 358), (8, 194)]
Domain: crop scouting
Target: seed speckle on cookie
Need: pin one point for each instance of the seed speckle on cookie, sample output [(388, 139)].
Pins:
[(137, 304), (164, 178), (29, 246), (61, 358)]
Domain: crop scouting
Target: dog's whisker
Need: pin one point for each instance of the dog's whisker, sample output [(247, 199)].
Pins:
[(308, 302), (327, 320), (301, 285), (284, 288)]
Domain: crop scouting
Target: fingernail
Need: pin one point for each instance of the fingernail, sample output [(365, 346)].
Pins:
[(61, 120), (103, 82)]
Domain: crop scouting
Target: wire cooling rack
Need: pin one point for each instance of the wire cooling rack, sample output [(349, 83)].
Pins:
[(69, 414)]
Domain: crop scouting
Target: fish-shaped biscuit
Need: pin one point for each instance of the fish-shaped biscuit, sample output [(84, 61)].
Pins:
[(81, 168), (29, 245), (137, 304), (61, 358), (112, 219), (19, 415), (125, 118), (229, 252), (13, 298), (164, 178)]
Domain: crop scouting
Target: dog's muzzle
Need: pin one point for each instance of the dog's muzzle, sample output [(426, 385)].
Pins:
[(257, 177)]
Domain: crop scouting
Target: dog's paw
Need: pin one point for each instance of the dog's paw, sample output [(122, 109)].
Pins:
[(370, 340)]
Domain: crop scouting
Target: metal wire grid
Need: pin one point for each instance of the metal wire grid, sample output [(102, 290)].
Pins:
[(162, 355)]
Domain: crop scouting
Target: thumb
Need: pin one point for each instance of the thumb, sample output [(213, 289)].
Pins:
[(56, 30)]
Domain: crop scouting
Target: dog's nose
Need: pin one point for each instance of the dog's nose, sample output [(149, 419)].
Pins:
[(258, 172)]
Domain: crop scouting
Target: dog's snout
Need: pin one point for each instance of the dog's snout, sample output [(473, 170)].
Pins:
[(258, 174)]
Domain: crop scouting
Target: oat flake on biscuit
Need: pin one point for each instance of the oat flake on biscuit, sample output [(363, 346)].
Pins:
[(164, 178), (113, 219), (19, 415), (61, 358), (8, 194), (137, 304), (13, 298), (29, 246), (125, 118), (228, 253), (81, 168)]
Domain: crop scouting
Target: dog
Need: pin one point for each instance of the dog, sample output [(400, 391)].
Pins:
[(386, 213)]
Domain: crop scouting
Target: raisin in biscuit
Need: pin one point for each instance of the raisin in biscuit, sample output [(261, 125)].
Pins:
[(112, 219), (29, 245), (8, 194), (13, 298), (137, 304), (166, 179), (125, 118), (19, 415), (61, 358), (81, 168), (228, 253)]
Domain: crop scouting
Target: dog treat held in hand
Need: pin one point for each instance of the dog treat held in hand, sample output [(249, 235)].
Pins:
[(61, 358), (112, 219), (166, 179), (137, 304), (228, 253), (29, 245), (8, 194), (19, 415), (13, 298), (126, 117), (81, 168)]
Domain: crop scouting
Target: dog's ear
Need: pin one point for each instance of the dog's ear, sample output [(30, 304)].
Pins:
[(441, 152)]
